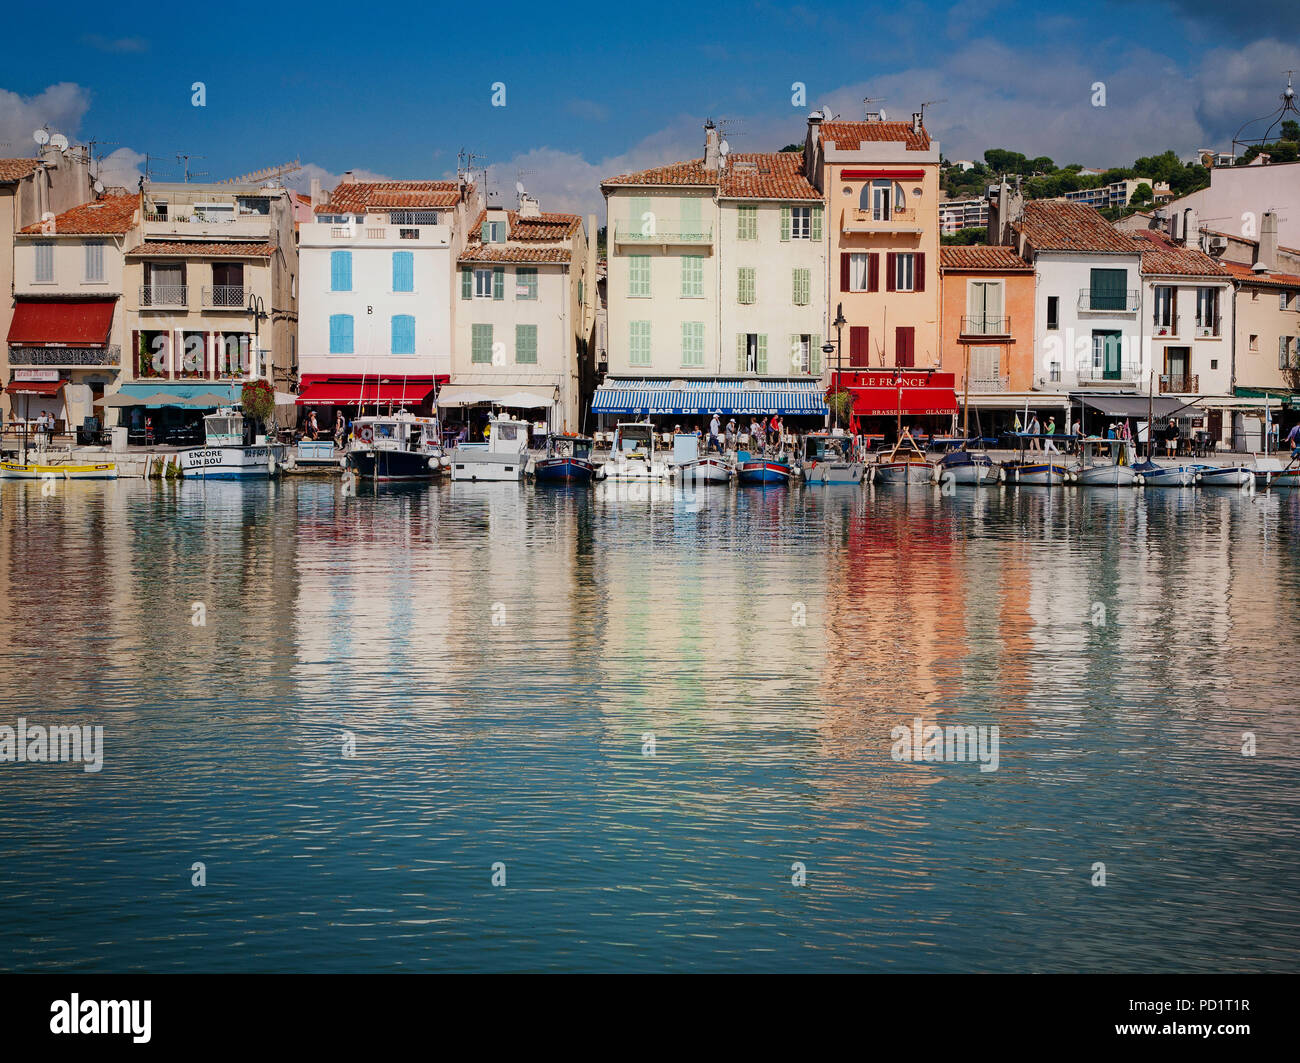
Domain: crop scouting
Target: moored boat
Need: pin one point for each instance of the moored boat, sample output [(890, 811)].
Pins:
[(967, 467), (396, 447), (567, 460), (45, 469), (1225, 475), (1104, 463), (1154, 475), (633, 456), (1030, 473), (760, 469), (904, 463), (692, 467), (227, 453), (828, 459), (502, 457)]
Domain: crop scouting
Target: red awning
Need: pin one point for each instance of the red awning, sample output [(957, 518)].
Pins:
[(34, 387), (357, 391), (75, 323), (877, 175), (918, 402)]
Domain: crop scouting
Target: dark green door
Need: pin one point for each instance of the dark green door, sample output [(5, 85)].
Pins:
[(1107, 291), (1107, 347)]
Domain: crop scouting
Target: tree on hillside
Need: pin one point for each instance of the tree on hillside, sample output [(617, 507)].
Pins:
[(793, 147), (1000, 160), (1042, 165), (973, 235), (1142, 195), (1291, 130)]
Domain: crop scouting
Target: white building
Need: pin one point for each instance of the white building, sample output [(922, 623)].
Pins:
[(379, 281), (524, 317), (716, 287), (958, 214), (1118, 193)]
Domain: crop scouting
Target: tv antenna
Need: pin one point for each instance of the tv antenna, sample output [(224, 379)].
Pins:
[(867, 109), (1273, 120), (184, 160), (930, 103), (519, 183)]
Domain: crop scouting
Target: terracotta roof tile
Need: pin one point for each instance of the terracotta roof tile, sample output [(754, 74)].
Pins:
[(16, 169), (542, 238), (1058, 225), (199, 249), (691, 172), (1163, 257), (1240, 271), (111, 215), (359, 196), (766, 175), (996, 258), (477, 252), (849, 136)]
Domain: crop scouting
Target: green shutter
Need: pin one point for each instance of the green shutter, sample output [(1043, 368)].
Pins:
[(692, 343), (794, 353), (802, 287), (785, 224), (815, 356), (638, 275), (498, 282), (817, 223), (526, 344), (640, 343), (762, 353), (481, 344), (692, 275), (639, 207), (483, 233), (740, 353), (467, 284), (745, 284), (747, 222)]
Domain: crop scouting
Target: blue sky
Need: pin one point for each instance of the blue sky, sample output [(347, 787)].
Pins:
[(594, 89)]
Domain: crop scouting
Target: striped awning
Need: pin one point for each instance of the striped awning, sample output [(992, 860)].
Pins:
[(703, 397)]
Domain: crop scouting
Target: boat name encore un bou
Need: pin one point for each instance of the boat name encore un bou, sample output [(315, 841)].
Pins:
[(226, 456)]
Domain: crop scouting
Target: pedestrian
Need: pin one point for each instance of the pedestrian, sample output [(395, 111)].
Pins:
[(340, 428), (313, 429), (731, 434), (715, 430), (1293, 437), (1051, 431), (1034, 429)]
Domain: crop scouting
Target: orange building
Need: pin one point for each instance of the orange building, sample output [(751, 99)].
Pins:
[(986, 305)]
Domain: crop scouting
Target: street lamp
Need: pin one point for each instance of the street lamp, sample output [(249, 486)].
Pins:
[(838, 350), (258, 309)]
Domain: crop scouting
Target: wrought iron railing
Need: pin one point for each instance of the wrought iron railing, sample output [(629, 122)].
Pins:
[(988, 383), (985, 325), (110, 355), (1180, 384), (164, 295), (225, 297), (1125, 302)]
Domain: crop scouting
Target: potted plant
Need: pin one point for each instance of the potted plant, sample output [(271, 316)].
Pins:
[(258, 402), (839, 400)]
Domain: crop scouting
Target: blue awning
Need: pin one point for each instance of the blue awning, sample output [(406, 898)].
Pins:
[(703, 397), (189, 389)]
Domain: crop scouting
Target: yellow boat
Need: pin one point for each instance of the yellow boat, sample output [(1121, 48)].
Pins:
[(32, 470)]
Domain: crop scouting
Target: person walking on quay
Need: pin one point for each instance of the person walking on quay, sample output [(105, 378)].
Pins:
[(313, 429), (1034, 429), (1051, 431), (715, 430), (340, 428), (731, 434)]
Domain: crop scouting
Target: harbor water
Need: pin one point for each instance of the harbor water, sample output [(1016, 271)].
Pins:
[(505, 728)]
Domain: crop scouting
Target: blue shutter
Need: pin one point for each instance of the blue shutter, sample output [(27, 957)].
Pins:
[(403, 271), (341, 271), (403, 334), (340, 334)]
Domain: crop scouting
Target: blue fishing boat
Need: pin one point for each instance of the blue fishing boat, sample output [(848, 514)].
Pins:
[(567, 460), (759, 469), (967, 467), (1154, 475)]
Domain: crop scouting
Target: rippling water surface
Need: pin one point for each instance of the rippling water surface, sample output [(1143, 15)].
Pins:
[(500, 655)]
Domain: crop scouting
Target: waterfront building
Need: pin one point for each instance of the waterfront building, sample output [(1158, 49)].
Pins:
[(987, 313), (32, 190), (69, 326), (211, 295), (525, 317), (716, 287), (958, 214), (379, 283), (880, 182)]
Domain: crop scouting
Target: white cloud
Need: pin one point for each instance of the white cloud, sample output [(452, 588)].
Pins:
[(123, 167), (60, 106), (301, 181)]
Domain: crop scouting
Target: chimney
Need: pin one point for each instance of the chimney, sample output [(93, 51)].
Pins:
[(712, 155), (50, 155), (350, 177), (917, 121), (1191, 228), (1266, 249), (1174, 219), (316, 199), (528, 207)]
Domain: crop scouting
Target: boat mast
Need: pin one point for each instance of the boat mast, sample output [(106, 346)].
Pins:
[(965, 401), (1151, 402)]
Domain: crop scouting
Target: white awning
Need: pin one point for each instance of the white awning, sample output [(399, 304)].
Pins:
[(515, 391)]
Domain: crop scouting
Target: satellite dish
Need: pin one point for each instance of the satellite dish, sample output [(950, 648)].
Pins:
[(59, 141), (41, 137), (884, 117), (99, 187), (724, 147), (519, 187)]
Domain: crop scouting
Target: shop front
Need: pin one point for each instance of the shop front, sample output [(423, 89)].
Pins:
[(690, 404), (467, 402), (66, 340), (889, 401), (327, 395)]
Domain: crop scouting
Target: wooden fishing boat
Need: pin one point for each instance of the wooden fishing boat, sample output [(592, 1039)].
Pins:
[(1154, 475), (967, 467), (226, 455), (692, 467), (60, 470), (1104, 463), (567, 460), (904, 463), (757, 469), (827, 459)]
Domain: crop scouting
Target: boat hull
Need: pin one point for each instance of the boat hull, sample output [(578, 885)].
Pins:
[(1234, 476), (1038, 474), (634, 471), (483, 466), (1106, 476), (1167, 475), (972, 471), (904, 472), (388, 466), (563, 470), (763, 472), (13, 470), (705, 471), (232, 463), (833, 472), (1289, 478)]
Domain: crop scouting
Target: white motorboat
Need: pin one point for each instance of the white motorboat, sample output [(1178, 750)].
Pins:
[(967, 467), (397, 446), (1154, 475), (1226, 475), (227, 453), (692, 467), (633, 456), (828, 459), (1105, 463), (504, 456)]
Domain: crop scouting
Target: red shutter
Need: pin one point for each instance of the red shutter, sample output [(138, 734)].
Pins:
[(890, 260), (873, 272), (134, 360), (859, 347), (904, 346), (918, 271), (844, 271)]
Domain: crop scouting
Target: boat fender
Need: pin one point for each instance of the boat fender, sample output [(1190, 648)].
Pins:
[(343, 462), (1139, 479), (445, 461), (270, 463), (433, 463)]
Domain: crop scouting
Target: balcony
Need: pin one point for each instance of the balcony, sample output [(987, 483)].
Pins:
[(1208, 332), (1180, 384), (664, 233), (111, 355), (222, 224), (893, 220), (163, 296), (988, 384), (1096, 376), (985, 325), (1091, 302), (225, 297)]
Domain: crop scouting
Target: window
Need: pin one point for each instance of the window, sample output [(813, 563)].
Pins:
[(403, 271), (856, 267), (412, 217), (1053, 312), (480, 344), (641, 218), (885, 198), (489, 283), (94, 261), (493, 232), (745, 284), (526, 344), (859, 347), (984, 309), (692, 276), (639, 343), (403, 334), (1254, 342), (1283, 352), (340, 271), (526, 283), (751, 352), (638, 276), (1107, 346), (1166, 313), (904, 272), (45, 262), (802, 284), (747, 222), (340, 333), (1207, 310), (1285, 299), (693, 343), (984, 365), (905, 346), (691, 224), (1106, 289), (801, 223), (805, 354)]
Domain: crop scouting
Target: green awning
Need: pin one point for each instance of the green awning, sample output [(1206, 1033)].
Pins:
[(145, 392)]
